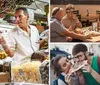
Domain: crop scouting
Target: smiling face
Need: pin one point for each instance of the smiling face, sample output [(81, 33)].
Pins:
[(69, 10), (64, 64), (21, 18), (79, 57), (70, 14)]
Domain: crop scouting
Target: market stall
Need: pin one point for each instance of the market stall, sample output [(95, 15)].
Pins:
[(36, 70)]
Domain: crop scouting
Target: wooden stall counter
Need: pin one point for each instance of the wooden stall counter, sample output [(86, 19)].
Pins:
[(4, 77)]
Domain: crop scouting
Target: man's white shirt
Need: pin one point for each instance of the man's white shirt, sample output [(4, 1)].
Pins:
[(22, 44)]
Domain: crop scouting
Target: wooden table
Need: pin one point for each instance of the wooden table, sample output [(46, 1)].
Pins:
[(4, 77), (93, 39)]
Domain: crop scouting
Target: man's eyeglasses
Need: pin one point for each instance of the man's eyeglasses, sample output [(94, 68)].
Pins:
[(80, 54), (68, 10)]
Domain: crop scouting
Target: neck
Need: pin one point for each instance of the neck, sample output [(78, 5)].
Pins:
[(58, 19), (89, 60), (26, 29)]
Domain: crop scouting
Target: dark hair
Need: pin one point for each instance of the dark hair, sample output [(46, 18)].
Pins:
[(57, 68), (79, 48), (24, 10), (55, 11)]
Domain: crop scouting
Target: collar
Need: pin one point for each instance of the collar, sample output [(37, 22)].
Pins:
[(63, 74), (56, 20), (20, 31)]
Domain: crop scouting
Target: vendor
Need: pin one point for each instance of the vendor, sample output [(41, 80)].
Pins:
[(22, 40)]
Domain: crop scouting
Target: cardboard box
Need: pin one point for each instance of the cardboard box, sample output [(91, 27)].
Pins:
[(4, 77)]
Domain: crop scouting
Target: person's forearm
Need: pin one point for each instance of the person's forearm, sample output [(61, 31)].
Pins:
[(8, 50), (74, 35), (95, 75)]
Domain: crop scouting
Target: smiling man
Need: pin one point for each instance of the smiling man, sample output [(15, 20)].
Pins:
[(22, 40), (92, 76)]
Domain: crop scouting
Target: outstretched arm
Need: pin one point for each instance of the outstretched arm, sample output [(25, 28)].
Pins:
[(6, 48)]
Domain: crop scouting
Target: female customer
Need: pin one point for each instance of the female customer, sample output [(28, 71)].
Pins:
[(62, 69)]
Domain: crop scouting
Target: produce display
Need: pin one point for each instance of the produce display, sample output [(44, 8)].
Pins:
[(44, 71), (5, 64), (3, 55), (5, 70), (27, 72)]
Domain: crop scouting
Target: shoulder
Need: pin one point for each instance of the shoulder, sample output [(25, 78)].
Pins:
[(60, 82), (13, 31), (33, 28), (95, 58), (54, 22), (64, 20)]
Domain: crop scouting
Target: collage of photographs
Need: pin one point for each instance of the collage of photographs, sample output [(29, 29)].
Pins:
[(49, 42)]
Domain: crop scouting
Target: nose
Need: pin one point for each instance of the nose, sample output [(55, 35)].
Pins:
[(77, 60), (80, 59), (69, 64), (17, 19)]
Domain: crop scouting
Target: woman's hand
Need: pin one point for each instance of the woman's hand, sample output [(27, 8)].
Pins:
[(68, 79)]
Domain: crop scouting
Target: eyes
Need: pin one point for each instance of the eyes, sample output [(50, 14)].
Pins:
[(78, 56), (65, 63), (19, 16)]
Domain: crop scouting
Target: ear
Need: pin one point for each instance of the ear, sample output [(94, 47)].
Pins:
[(88, 58), (27, 17), (87, 53)]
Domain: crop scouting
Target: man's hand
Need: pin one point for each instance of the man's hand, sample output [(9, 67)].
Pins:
[(3, 43), (69, 39), (88, 36), (87, 68), (70, 28), (2, 40)]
